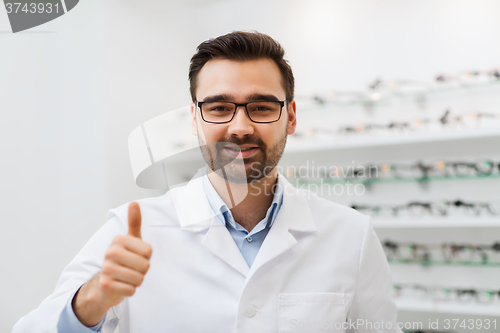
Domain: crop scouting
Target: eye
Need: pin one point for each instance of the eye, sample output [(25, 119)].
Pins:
[(219, 108)]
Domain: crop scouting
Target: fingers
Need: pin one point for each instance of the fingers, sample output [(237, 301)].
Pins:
[(117, 289), (123, 274), (134, 245), (123, 257), (134, 220), (126, 262)]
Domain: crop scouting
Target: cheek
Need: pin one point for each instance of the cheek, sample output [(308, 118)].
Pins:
[(272, 135), (211, 133)]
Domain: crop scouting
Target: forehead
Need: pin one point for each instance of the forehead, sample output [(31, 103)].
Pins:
[(240, 79)]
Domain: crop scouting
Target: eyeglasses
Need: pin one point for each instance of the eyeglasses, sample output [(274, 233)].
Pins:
[(467, 76), (447, 120), (417, 209), (419, 171), (437, 292), (426, 254), (423, 171), (218, 112)]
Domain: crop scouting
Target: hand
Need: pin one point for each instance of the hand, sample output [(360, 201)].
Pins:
[(125, 264)]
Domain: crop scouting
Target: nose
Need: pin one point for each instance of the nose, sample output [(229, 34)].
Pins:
[(241, 125)]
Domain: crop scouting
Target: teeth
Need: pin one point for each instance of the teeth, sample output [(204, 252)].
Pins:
[(243, 149)]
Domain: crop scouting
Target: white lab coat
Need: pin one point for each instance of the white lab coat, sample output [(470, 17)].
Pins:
[(320, 265)]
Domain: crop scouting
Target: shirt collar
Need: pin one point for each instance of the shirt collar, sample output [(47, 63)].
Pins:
[(224, 214)]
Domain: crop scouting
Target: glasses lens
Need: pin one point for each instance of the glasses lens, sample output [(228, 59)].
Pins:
[(264, 111), (417, 209), (463, 169), (484, 168), (217, 112), (485, 296), (465, 295), (441, 293)]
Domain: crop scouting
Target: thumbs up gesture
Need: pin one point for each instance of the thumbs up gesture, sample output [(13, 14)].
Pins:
[(126, 262)]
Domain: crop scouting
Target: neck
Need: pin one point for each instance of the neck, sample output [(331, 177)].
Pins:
[(248, 202)]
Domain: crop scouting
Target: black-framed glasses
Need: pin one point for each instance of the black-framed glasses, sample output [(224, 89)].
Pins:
[(218, 112)]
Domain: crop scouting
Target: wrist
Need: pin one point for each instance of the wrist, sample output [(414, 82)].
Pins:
[(88, 305)]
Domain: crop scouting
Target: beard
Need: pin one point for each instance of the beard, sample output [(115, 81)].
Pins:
[(246, 170)]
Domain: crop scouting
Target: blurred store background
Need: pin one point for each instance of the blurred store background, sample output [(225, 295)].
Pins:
[(398, 101)]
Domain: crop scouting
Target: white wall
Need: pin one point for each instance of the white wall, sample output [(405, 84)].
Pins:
[(53, 148), (69, 98)]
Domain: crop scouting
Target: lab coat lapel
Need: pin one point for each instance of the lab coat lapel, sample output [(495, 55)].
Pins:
[(218, 240), (294, 215), (195, 215)]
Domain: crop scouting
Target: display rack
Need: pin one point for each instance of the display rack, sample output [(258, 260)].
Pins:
[(410, 146)]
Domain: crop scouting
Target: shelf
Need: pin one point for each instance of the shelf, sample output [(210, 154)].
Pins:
[(389, 180), (365, 141), (449, 222), (373, 98), (442, 263), (467, 308)]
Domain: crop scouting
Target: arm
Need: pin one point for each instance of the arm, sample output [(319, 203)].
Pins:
[(373, 299), (126, 261), (68, 322)]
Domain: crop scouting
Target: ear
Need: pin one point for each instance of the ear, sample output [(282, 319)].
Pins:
[(194, 129), (292, 119)]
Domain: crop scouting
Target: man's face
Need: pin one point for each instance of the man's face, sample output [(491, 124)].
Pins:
[(242, 82)]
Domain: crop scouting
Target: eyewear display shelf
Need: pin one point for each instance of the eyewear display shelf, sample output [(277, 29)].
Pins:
[(375, 98), (463, 143)]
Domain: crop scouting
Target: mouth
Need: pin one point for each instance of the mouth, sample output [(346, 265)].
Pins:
[(245, 151)]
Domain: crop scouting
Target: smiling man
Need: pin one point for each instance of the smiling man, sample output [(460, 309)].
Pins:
[(238, 249)]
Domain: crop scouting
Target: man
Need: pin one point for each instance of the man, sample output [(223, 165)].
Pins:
[(238, 249)]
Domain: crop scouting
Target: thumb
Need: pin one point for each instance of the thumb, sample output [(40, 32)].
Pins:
[(134, 219)]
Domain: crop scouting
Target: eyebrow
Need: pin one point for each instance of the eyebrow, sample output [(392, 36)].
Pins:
[(251, 98)]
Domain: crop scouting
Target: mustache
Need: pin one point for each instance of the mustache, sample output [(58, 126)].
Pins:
[(234, 141)]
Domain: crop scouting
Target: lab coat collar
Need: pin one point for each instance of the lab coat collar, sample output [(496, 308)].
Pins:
[(224, 214), (195, 214)]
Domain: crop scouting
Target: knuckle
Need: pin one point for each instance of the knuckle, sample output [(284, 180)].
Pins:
[(106, 268), (113, 252), (149, 251), (105, 283), (110, 254), (146, 266), (119, 238)]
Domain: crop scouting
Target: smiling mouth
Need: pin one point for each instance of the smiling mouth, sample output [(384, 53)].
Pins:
[(240, 149), (245, 152)]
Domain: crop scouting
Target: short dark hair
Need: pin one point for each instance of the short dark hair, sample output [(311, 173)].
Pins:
[(241, 46)]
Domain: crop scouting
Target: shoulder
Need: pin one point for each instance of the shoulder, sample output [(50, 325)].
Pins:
[(157, 208), (328, 214)]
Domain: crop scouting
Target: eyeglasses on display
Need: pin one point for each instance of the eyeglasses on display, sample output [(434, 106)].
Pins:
[(418, 209), (445, 253), (420, 171), (442, 293)]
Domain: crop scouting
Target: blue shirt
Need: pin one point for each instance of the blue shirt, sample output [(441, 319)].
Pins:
[(249, 244)]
